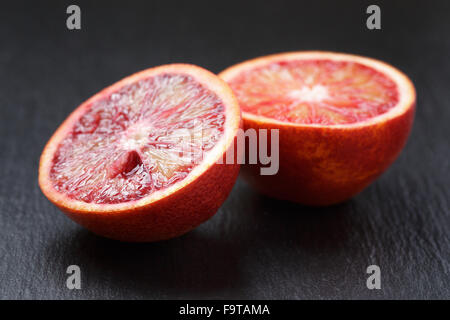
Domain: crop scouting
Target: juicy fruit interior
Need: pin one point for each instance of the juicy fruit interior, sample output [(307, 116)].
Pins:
[(315, 91), (144, 137)]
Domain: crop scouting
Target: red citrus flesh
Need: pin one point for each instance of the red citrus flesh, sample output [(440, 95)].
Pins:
[(138, 161), (343, 119), (315, 91), (127, 144)]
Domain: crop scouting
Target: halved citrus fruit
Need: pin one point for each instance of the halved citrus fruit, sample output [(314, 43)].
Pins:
[(343, 119), (140, 161)]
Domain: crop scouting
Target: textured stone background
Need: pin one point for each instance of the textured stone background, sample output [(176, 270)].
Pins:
[(254, 247)]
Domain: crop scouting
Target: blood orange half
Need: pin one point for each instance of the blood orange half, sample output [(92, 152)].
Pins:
[(343, 119), (139, 161)]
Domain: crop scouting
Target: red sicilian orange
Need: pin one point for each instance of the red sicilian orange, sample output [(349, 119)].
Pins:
[(342, 120), (139, 160)]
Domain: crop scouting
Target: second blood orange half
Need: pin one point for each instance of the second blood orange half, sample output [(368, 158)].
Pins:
[(342, 120)]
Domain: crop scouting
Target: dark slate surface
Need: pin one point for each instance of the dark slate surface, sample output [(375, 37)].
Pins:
[(255, 247)]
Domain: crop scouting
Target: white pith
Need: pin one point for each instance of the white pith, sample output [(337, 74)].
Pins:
[(135, 137), (316, 93)]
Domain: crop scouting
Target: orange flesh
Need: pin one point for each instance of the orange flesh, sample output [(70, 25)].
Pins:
[(315, 92), (144, 137)]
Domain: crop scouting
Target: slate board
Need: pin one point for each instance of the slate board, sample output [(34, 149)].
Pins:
[(255, 247)]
